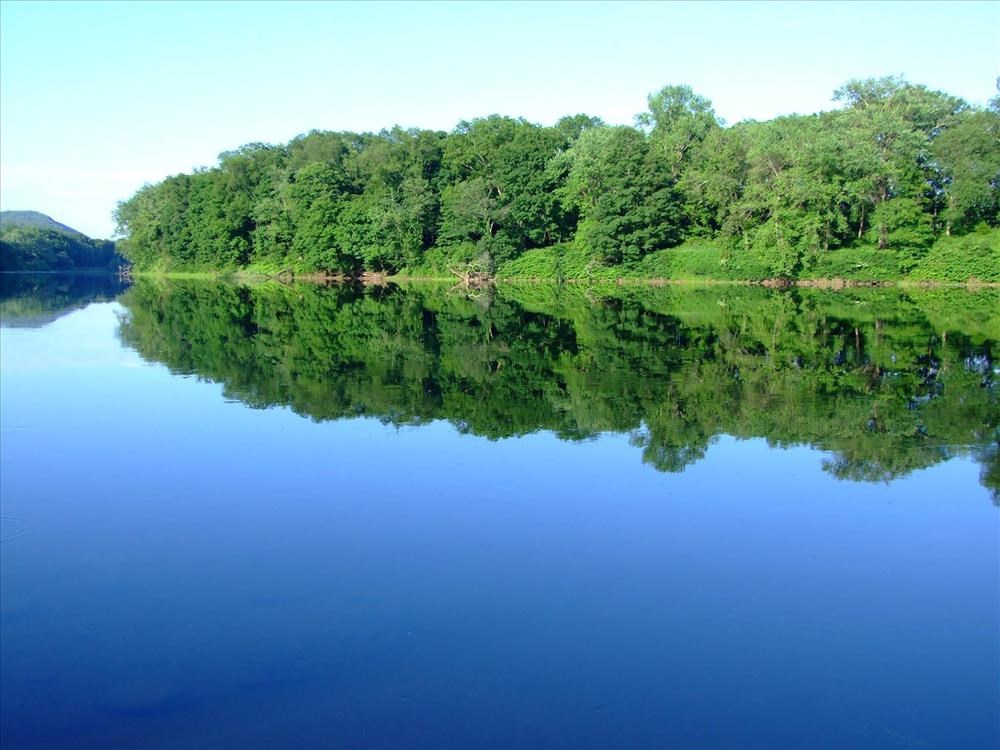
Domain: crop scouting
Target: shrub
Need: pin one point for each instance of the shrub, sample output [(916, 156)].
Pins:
[(975, 255), (859, 263)]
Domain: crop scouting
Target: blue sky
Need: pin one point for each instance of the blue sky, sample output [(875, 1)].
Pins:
[(98, 98)]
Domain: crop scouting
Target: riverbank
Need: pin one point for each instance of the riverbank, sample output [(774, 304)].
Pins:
[(375, 279), (972, 260)]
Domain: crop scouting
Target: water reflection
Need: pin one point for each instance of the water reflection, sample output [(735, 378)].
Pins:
[(886, 381), (179, 571), (29, 300)]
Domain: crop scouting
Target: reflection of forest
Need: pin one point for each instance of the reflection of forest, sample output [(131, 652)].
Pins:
[(30, 300), (885, 380)]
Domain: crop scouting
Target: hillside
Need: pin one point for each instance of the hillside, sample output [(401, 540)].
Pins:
[(36, 220), (32, 241)]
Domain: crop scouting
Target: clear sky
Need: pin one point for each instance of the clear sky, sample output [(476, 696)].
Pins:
[(98, 98)]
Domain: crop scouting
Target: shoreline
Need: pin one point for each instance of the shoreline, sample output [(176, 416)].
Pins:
[(379, 279)]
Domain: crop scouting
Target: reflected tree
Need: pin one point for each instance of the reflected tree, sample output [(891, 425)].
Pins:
[(886, 381)]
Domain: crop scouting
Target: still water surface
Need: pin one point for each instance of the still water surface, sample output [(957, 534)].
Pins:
[(330, 518)]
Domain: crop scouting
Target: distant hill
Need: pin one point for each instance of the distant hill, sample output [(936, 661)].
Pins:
[(32, 241), (34, 219)]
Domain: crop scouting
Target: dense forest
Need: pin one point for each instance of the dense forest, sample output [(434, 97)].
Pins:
[(886, 382), (899, 180), (31, 241)]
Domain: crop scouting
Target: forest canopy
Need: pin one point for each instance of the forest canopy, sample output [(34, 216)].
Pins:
[(883, 186)]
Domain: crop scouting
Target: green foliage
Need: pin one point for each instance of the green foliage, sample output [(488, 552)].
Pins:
[(691, 261), (566, 261), (900, 225), (624, 194), (967, 156), (895, 168), (502, 194), (438, 262), (974, 256), (679, 120), (30, 248), (863, 263)]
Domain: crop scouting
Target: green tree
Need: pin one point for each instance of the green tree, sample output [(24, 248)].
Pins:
[(317, 207), (624, 193), (968, 157), (678, 120), (892, 124)]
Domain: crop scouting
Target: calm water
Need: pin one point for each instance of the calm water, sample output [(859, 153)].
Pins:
[(292, 517)]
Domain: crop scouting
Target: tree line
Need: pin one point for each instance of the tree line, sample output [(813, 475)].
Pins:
[(29, 248), (894, 168)]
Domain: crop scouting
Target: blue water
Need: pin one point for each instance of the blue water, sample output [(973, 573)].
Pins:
[(182, 571)]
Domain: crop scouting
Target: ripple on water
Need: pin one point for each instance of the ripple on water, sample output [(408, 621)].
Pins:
[(12, 527)]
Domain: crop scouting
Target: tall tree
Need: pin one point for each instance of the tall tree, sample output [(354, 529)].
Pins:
[(968, 157), (624, 192), (678, 120)]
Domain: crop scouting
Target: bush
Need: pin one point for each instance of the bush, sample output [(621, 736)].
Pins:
[(859, 263), (540, 263), (438, 261), (747, 265), (975, 255), (569, 260)]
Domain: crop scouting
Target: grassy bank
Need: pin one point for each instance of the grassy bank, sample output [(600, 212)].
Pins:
[(973, 259)]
